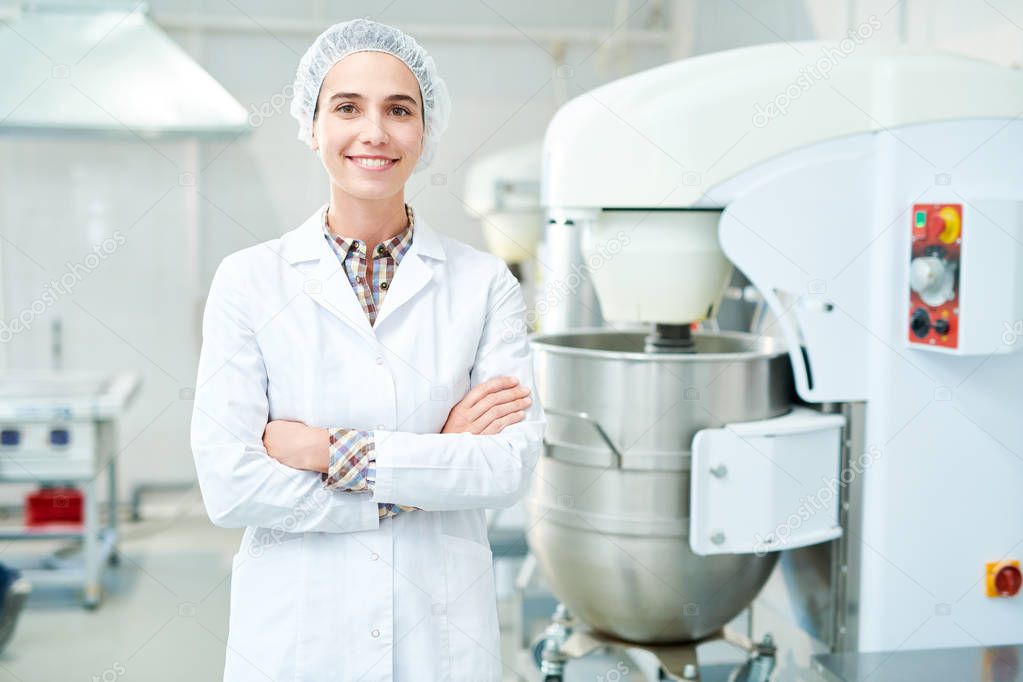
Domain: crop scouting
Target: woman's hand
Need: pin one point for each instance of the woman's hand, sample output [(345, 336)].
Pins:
[(297, 445), (489, 407)]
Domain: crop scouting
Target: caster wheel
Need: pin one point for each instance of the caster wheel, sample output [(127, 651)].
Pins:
[(538, 652), (92, 598)]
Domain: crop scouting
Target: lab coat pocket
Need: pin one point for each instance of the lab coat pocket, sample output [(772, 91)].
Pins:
[(473, 636), (264, 598)]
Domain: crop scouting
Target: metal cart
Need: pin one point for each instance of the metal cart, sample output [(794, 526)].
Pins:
[(60, 428)]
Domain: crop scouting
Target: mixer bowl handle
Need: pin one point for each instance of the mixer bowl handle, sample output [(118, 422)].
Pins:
[(582, 416)]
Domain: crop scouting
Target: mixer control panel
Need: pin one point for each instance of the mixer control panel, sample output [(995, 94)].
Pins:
[(937, 238)]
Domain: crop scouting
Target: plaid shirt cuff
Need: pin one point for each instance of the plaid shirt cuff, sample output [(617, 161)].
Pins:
[(352, 463)]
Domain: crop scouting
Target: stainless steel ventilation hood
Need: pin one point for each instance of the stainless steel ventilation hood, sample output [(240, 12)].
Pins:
[(105, 70)]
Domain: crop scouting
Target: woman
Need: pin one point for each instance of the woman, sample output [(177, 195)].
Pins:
[(362, 397)]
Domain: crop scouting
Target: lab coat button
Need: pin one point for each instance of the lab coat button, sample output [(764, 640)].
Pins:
[(374, 556), (380, 360), (375, 633), (380, 427)]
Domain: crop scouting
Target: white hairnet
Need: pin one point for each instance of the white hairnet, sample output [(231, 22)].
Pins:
[(363, 35)]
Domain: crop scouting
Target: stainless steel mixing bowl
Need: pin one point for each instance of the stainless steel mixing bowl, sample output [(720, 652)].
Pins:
[(609, 504)]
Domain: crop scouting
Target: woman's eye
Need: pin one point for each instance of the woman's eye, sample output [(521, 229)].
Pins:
[(346, 109), (401, 111)]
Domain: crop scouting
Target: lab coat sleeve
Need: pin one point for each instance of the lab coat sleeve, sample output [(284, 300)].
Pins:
[(438, 472), (241, 484)]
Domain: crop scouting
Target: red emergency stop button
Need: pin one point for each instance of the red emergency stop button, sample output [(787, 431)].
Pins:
[(1004, 579), (935, 226)]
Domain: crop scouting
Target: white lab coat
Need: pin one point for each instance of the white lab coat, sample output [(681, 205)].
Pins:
[(321, 590)]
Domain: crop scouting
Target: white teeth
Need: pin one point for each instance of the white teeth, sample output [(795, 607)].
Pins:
[(372, 163)]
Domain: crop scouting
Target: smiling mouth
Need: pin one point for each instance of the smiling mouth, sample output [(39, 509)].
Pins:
[(372, 163)]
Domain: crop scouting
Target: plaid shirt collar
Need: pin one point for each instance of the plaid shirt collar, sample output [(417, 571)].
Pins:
[(395, 247)]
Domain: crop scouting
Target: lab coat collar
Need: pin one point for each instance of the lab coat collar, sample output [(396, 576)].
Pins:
[(306, 242), (333, 292)]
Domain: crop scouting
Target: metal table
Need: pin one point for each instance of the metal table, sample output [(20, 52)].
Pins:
[(84, 407)]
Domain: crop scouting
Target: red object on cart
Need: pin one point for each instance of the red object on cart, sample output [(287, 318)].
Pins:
[(53, 505)]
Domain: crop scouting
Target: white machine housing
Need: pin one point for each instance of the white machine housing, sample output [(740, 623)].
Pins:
[(502, 191), (817, 175)]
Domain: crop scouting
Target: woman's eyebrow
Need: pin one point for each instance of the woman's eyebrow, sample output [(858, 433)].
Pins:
[(389, 98)]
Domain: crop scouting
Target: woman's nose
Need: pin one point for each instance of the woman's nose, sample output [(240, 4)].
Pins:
[(373, 132)]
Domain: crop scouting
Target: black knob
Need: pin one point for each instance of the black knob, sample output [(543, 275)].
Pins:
[(941, 326), (920, 323)]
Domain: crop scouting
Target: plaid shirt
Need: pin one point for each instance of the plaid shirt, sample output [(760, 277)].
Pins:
[(352, 464)]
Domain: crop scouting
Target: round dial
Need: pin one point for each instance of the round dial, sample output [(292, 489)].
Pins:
[(933, 279)]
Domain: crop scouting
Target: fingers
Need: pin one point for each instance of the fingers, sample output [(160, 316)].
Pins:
[(498, 425), (489, 407), (505, 408), (492, 400), (495, 384)]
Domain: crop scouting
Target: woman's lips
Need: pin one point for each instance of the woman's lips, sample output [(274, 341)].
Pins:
[(372, 163)]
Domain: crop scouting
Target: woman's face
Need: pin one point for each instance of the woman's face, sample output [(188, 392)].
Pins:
[(369, 124)]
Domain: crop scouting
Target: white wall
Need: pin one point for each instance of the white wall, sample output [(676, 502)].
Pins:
[(986, 29)]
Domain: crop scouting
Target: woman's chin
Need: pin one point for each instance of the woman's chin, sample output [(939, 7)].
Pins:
[(369, 189)]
